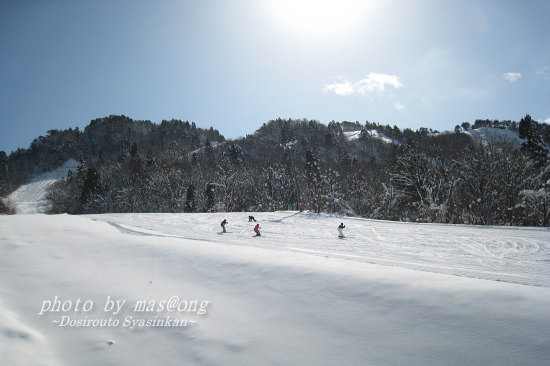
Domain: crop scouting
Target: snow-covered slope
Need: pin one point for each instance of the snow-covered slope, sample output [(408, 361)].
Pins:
[(512, 254), (355, 135), (486, 134), (30, 198), (352, 135), (297, 295)]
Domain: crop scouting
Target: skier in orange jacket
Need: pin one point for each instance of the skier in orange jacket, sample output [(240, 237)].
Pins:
[(257, 230)]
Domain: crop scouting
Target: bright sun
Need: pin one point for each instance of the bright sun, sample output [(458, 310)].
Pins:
[(318, 17)]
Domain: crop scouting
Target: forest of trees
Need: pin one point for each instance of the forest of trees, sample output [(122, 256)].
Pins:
[(102, 141), (383, 172)]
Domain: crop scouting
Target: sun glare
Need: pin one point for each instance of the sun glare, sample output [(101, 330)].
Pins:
[(318, 17)]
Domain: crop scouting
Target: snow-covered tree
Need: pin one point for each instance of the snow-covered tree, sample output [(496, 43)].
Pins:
[(533, 147), (427, 184)]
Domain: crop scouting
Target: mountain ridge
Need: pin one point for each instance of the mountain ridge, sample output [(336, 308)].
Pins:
[(491, 172)]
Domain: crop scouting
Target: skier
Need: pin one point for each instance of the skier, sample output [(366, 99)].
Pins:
[(257, 230), (224, 222), (340, 228), (251, 218)]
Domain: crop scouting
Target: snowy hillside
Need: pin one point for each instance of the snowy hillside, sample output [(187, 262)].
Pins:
[(30, 198), (388, 294), (355, 135), (487, 134)]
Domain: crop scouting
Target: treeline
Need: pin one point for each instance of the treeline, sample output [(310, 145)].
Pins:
[(421, 176), (102, 141)]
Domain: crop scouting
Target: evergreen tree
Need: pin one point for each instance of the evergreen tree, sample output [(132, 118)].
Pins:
[(81, 169), (534, 146), (190, 203), (210, 195), (236, 153), (209, 150), (135, 163), (3, 173), (91, 185)]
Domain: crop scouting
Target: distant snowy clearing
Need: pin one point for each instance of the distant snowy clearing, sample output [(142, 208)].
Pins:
[(298, 295), (30, 198), (355, 135), (485, 135)]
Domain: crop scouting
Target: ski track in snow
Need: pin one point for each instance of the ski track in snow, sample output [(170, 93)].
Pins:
[(510, 254)]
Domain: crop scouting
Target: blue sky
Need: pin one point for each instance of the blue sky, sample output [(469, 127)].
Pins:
[(235, 64)]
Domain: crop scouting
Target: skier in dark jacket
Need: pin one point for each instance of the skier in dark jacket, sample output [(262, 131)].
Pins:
[(224, 222), (340, 228)]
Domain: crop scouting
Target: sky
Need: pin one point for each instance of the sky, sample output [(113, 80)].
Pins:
[(236, 64)]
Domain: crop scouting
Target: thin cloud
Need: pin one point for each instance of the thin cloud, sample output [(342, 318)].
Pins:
[(372, 83), (397, 105), (512, 76), (544, 72)]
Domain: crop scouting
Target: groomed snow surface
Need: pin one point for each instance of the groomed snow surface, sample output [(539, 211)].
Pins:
[(388, 294)]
